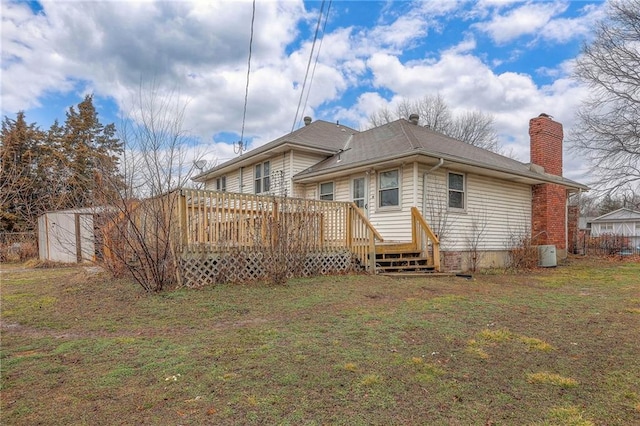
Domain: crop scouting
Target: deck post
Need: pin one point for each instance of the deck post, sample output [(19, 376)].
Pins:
[(182, 220), (349, 233), (372, 251)]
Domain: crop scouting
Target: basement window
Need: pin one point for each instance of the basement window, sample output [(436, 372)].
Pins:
[(456, 185), (326, 191)]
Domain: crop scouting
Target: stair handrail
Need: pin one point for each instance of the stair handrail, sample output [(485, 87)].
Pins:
[(416, 217), (362, 217)]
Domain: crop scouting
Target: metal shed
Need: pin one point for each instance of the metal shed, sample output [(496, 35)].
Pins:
[(67, 236)]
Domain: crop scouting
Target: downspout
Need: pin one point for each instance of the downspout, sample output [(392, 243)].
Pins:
[(566, 226)]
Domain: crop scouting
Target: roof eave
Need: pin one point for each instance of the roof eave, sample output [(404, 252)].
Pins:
[(535, 177), (254, 155)]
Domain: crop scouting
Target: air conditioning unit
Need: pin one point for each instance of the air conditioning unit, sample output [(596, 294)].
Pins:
[(547, 256)]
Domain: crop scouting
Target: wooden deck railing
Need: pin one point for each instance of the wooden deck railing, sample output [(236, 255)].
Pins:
[(213, 221), (424, 238)]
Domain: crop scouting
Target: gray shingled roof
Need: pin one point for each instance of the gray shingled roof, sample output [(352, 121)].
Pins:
[(402, 138), (321, 135)]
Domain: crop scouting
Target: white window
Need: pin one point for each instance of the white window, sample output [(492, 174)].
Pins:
[(221, 184), (456, 184), (606, 227), (358, 192), (262, 172), (389, 188), (326, 191)]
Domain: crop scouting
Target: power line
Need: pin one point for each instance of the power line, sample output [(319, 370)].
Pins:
[(246, 91), (313, 73), (304, 83)]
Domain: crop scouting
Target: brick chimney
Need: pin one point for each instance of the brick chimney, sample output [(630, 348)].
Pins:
[(549, 201)]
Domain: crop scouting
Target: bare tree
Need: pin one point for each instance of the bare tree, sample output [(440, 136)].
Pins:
[(608, 128), (473, 127), (141, 230)]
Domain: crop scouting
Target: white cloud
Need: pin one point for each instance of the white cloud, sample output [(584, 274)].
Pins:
[(465, 82), (526, 19), (200, 49)]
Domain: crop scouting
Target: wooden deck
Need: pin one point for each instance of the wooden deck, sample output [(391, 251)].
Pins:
[(214, 233)]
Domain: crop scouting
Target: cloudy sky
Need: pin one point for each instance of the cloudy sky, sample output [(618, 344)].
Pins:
[(509, 58)]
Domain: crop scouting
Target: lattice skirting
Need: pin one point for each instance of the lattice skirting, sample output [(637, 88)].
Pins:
[(198, 270)]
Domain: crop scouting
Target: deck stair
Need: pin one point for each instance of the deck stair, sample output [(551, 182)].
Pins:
[(401, 258)]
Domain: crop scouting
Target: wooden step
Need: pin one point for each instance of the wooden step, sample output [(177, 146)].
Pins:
[(395, 248), (401, 268), (405, 257)]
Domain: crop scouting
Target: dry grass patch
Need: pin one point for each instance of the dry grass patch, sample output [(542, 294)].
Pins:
[(536, 344), (545, 377), (566, 416)]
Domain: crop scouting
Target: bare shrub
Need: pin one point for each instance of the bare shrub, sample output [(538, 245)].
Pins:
[(522, 255), (475, 238), (288, 242), (28, 250), (607, 244)]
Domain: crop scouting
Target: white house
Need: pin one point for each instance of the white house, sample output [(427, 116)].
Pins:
[(622, 222), (474, 199)]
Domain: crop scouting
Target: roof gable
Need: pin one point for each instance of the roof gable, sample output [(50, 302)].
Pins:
[(319, 135), (620, 215)]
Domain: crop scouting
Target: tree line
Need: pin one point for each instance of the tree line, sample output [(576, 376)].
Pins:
[(63, 167)]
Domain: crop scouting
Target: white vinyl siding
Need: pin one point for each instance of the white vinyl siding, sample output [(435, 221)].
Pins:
[(496, 209), (299, 162), (394, 224), (232, 182)]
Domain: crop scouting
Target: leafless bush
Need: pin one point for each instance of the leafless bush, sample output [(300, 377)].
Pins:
[(475, 237), (18, 246), (607, 244), (288, 242), (521, 254)]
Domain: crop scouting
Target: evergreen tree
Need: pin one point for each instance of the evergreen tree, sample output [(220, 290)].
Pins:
[(19, 150), (70, 166), (91, 151)]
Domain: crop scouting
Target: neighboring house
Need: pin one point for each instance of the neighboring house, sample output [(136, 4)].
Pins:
[(476, 201), (622, 222)]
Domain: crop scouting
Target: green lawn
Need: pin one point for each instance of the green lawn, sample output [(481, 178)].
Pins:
[(558, 346)]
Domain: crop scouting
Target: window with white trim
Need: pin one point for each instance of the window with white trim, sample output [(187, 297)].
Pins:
[(456, 186), (326, 191), (261, 178), (221, 184), (389, 188), (358, 192), (606, 227)]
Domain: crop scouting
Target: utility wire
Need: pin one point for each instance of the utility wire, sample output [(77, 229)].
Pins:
[(246, 91), (313, 73), (304, 83)]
